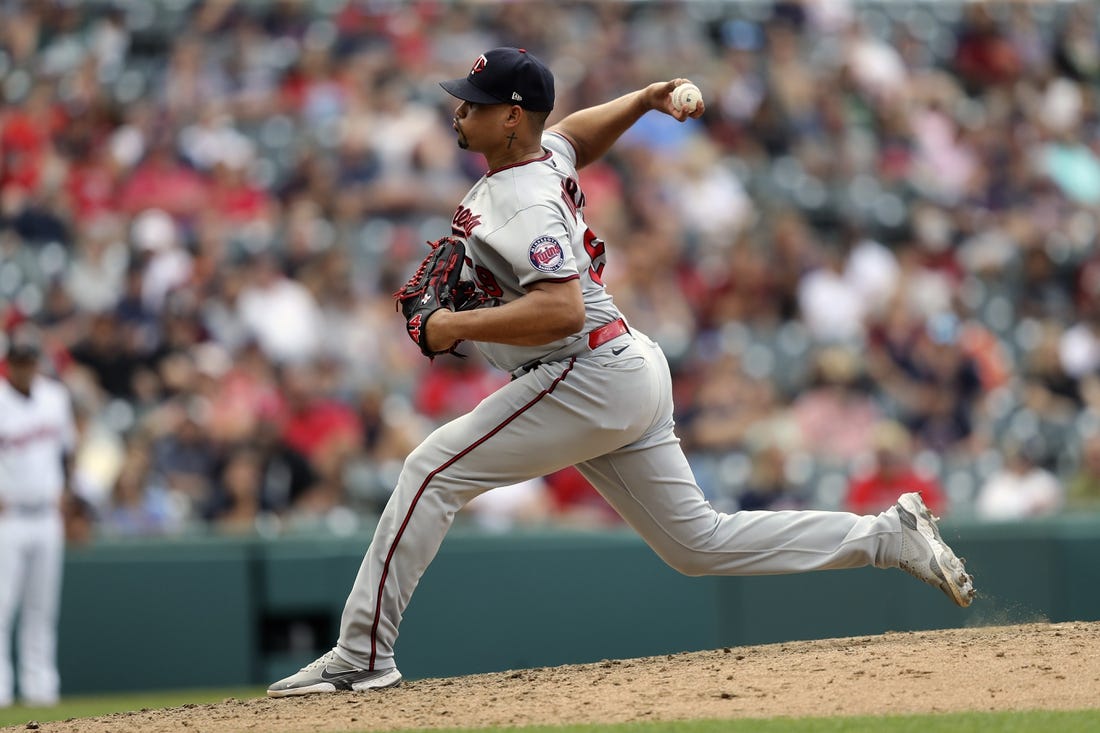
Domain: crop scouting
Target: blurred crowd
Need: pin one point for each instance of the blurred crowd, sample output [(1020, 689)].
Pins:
[(873, 263)]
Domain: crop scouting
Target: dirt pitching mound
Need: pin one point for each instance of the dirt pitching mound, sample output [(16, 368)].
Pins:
[(1026, 667)]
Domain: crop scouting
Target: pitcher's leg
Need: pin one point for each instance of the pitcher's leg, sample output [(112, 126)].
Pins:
[(654, 491), (409, 533), (531, 427)]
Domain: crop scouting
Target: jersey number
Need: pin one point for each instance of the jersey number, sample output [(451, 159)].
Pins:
[(574, 198), (487, 282)]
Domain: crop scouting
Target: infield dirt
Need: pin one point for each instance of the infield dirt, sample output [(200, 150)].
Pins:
[(1023, 667)]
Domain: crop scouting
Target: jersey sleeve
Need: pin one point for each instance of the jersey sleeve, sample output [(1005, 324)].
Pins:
[(536, 243), (560, 146)]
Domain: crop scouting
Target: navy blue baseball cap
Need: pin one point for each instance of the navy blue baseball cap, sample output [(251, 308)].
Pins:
[(506, 76)]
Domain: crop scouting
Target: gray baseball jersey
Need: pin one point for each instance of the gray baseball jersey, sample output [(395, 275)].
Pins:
[(524, 224), (605, 405)]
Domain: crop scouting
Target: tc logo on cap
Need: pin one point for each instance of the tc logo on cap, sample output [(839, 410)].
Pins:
[(506, 76)]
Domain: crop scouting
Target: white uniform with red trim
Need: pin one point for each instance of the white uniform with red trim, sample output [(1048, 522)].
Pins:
[(35, 432), (602, 399)]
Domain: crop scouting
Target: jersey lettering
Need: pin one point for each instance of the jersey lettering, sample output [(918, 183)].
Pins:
[(464, 222), (572, 195), (22, 440), (597, 252)]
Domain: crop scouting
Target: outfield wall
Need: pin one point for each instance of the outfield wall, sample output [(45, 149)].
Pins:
[(204, 612)]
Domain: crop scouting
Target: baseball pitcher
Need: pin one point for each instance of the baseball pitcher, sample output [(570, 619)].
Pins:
[(521, 276)]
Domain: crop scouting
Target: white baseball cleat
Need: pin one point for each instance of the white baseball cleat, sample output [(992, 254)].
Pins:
[(925, 555), (330, 673)]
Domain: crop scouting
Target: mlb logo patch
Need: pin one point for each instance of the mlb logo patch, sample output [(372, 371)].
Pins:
[(546, 254)]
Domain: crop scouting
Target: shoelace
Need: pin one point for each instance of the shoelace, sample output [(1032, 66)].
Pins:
[(321, 661)]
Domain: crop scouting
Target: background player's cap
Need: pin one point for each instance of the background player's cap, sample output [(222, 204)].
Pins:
[(506, 76)]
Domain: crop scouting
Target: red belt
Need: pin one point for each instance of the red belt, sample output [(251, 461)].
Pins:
[(603, 334)]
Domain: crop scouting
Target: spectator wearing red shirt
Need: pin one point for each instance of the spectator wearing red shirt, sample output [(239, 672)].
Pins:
[(235, 199), (984, 55), (246, 395), (892, 475), (92, 184), (162, 182), (321, 427), (575, 502), (26, 131), (455, 387)]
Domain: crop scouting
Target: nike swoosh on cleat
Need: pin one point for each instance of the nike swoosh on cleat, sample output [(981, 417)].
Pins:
[(350, 674), (619, 350)]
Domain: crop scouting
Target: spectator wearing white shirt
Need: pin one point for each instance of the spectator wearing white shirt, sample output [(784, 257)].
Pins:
[(831, 307), (280, 313), (1022, 490)]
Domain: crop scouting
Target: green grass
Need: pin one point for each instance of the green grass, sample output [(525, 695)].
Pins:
[(1083, 721), (90, 706)]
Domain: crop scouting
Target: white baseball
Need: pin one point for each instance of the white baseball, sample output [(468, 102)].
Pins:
[(686, 97)]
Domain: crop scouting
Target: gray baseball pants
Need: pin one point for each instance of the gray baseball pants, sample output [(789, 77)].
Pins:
[(611, 416)]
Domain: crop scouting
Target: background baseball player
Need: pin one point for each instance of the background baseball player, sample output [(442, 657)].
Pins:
[(586, 389), (37, 440)]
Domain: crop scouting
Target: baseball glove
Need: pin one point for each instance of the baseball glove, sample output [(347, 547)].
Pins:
[(436, 284)]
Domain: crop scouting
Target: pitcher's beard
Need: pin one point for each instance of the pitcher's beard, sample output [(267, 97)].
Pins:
[(461, 140)]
